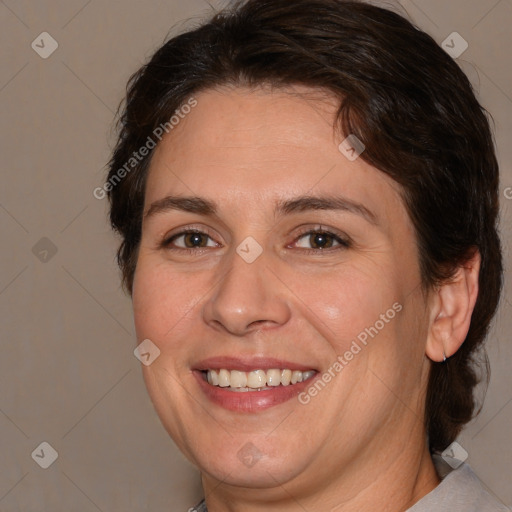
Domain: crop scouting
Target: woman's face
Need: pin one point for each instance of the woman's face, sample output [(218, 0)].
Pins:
[(266, 251)]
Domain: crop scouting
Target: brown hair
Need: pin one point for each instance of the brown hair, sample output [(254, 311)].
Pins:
[(399, 93)]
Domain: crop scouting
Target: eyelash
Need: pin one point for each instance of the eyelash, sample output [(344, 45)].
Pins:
[(344, 242)]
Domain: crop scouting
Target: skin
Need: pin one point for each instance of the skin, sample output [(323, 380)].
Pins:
[(361, 440)]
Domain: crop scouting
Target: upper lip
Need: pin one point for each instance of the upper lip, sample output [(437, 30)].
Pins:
[(247, 364)]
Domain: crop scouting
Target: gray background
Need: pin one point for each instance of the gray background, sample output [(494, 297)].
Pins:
[(67, 371)]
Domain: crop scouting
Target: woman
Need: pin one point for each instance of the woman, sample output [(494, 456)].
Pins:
[(307, 197)]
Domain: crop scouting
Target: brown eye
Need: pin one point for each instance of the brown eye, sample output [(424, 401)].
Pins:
[(320, 240), (195, 240), (189, 240)]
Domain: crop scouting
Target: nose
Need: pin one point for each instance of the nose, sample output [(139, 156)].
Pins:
[(248, 297)]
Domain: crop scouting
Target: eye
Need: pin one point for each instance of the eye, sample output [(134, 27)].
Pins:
[(319, 239), (189, 240)]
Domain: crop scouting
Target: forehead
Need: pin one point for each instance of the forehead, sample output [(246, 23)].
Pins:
[(270, 123), (252, 145)]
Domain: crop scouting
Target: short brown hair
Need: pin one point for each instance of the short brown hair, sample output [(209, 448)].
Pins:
[(399, 93)]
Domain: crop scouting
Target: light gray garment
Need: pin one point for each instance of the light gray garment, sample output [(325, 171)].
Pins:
[(459, 491), (201, 507)]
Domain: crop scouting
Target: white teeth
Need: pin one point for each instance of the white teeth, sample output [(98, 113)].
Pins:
[(224, 377), (238, 379), (296, 377), (256, 379), (273, 377), (286, 377)]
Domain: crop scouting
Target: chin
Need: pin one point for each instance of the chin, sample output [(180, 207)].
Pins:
[(255, 471)]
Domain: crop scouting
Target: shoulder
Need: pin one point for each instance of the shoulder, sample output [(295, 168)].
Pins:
[(460, 491)]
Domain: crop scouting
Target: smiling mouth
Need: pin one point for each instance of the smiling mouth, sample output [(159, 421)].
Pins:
[(255, 380)]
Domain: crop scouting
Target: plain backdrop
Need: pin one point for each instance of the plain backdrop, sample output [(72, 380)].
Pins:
[(68, 376)]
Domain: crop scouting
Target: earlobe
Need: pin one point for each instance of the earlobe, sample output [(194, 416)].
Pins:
[(451, 306)]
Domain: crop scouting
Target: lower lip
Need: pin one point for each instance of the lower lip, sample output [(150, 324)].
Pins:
[(250, 401)]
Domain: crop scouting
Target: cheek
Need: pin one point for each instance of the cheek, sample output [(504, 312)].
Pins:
[(345, 302), (162, 300)]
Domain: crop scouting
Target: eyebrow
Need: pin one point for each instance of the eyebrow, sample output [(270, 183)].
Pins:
[(202, 206), (186, 204)]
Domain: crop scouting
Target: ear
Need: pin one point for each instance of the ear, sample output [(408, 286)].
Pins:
[(451, 307)]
